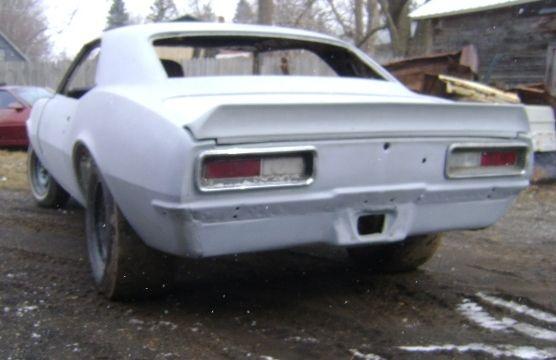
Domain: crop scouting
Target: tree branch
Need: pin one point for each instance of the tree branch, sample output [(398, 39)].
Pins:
[(389, 20), (339, 17), (308, 7), (369, 34)]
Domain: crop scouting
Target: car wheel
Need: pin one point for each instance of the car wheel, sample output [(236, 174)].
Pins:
[(397, 257), (123, 267), (44, 188)]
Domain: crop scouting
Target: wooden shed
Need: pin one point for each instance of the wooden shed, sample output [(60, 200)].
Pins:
[(514, 38), (9, 52)]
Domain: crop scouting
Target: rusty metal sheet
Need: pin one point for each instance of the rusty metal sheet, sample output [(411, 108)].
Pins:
[(415, 73)]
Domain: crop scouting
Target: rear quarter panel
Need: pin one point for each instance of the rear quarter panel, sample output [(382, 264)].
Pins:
[(137, 151)]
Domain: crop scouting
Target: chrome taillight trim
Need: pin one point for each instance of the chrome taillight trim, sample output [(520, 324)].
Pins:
[(232, 152), (523, 160)]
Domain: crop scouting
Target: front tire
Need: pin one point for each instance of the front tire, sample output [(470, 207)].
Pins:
[(402, 256), (123, 267), (46, 191)]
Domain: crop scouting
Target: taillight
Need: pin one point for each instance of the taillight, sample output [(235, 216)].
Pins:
[(499, 157), (477, 160), (248, 169), (233, 168)]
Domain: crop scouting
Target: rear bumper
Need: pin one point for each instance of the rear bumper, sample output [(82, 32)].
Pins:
[(212, 228)]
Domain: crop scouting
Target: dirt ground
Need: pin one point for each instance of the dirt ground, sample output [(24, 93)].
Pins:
[(486, 294), (13, 166)]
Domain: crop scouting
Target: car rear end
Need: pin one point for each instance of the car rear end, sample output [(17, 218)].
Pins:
[(346, 171), (278, 153)]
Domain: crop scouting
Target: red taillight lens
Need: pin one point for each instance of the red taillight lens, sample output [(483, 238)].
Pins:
[(222, 170), (233, 168), (470, 160), (499, 158)]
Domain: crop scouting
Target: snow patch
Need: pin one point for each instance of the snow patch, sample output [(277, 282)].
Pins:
[(535, 331), (356, 354), (25, 309), (168, 324), (304, 340), (475, 313), (518, 308), (136, 322), (520, 352)]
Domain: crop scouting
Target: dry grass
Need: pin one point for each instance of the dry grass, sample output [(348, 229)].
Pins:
[(13, 170)]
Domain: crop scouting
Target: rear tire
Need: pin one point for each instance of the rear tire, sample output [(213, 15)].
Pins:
[(45, 189), (123, 267), (397, 257)]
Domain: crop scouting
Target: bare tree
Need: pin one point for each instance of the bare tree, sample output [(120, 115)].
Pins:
[(24, 23), (304, 14), (202, 10), (398, 22), (266, 9), (356, 20), (162, 10)]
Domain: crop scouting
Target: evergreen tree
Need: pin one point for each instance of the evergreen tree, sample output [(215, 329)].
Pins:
[(118, 15), (244, 13), (162, 10)]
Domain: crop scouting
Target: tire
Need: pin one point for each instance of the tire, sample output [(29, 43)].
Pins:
[(45, 189), (397, 257), (123, 267)]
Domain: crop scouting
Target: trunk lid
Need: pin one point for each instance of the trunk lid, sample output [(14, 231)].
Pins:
[(262, 109)]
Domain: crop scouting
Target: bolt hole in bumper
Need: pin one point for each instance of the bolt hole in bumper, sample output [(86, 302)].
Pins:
[(346, 218)]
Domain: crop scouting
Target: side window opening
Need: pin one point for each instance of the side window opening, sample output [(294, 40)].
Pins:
[(82, 79)]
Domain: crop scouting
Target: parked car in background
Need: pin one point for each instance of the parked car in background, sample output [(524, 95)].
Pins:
[(15, 107), (171, 161)]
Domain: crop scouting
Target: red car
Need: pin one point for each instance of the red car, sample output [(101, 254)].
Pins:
[(15, 107)]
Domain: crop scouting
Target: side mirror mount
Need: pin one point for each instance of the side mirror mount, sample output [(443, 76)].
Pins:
[(17, 107)]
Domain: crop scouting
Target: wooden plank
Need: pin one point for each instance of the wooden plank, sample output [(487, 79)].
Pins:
[(550, 77)]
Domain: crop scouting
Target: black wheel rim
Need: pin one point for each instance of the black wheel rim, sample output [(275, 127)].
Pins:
[(102, 230)]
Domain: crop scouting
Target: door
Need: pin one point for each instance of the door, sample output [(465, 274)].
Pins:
[(57, 116)]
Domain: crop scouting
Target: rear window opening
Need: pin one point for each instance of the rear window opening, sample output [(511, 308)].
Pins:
[(248, 56)]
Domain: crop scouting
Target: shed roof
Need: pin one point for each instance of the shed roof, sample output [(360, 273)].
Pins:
[(443, 8), (13, 47)]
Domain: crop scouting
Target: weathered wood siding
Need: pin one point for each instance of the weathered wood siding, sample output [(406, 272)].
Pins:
[(7, 51), (512, 42)]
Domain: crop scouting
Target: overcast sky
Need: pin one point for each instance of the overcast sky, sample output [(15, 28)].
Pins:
[(69, 33)]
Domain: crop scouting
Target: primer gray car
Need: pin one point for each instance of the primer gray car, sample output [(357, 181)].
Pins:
[(168, 163)]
